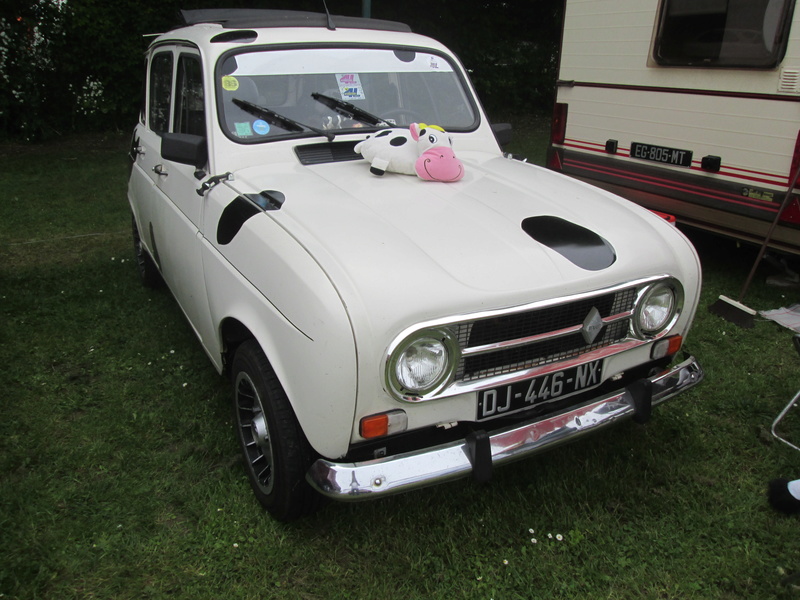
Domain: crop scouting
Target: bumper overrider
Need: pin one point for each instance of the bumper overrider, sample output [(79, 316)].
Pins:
[(478, 452)]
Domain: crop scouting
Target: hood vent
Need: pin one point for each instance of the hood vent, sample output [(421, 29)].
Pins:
[(317, 154), (582, 247)]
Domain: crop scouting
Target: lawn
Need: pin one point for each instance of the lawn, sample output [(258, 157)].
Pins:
[(120, 476)]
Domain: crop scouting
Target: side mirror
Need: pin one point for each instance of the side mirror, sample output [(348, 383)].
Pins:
[(185, 148), (503, 133)]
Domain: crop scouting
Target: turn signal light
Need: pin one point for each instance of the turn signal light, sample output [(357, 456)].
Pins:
[(666, 347), (382, 424)]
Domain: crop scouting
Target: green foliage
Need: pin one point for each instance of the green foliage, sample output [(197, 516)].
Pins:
[(30, 40), (120, 476), (76, 65), (509, 48), (73, 65)]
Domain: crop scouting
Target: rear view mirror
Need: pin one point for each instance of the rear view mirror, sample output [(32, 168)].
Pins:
[(185, 148), (503, 133)]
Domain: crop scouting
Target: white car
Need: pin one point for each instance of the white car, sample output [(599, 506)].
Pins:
[(387, 332)]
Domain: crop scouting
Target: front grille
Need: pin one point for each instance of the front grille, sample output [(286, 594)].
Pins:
[(547, 326)]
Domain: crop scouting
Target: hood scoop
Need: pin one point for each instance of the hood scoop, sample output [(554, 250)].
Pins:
[(580, 246)]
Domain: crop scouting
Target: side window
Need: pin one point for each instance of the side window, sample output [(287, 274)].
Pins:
[(160, 91), (189, 110), (723, 33)]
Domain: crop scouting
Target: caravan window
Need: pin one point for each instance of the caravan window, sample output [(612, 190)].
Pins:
[(723, 33)]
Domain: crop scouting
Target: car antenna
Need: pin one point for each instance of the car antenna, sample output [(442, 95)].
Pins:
[(331, 26)]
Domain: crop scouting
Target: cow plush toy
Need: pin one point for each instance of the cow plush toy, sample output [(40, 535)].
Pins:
[(423, 150)]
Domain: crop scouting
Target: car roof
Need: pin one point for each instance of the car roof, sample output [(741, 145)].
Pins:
[(239, 18)]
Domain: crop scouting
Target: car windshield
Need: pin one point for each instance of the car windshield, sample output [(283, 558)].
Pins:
[(399, 87)]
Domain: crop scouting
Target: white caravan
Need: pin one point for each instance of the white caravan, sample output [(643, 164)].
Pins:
[(688, 107)]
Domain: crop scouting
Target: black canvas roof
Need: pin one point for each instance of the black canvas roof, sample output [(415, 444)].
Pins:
[(240, 18)]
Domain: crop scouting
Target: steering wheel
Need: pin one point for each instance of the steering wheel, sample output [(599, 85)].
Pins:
[(412, 116)]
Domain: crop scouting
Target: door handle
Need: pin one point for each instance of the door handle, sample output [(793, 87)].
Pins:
[(136, 149), (160, 170)]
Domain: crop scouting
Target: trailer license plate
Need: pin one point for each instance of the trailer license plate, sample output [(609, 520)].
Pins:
[(524, 394), (661, 154)]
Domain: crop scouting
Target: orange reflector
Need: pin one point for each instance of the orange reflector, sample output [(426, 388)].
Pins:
[(374, 426), (387, 423), (666, 347), (667, 217), (675, 343), (555, 159)]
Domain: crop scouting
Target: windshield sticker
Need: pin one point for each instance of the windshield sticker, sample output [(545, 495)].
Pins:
[(434, 63), (261, 127), (243, 129), (230, 83), (350, 86)]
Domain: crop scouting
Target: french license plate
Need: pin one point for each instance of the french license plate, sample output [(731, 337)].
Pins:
[(524, 394), (661, 154)]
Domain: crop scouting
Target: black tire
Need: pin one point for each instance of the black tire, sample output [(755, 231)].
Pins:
[(148, 272), (275, 451)]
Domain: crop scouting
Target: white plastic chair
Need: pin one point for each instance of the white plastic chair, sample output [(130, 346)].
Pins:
[(792, 403)]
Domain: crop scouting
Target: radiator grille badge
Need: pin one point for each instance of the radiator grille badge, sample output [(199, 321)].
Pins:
[(592, 325)]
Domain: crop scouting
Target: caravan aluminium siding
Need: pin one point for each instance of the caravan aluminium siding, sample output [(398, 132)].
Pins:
[(616, 94)]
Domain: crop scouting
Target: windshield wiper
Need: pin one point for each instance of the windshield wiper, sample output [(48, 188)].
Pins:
[(350, 111), (273, 118)]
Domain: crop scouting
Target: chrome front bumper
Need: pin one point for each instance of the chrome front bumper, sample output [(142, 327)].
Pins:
[(428, 466)]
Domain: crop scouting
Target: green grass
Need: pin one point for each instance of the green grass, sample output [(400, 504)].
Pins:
[(530, 135), (120, 477)]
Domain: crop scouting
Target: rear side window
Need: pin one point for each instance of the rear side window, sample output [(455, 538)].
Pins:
[(160, 91), (723, 33)]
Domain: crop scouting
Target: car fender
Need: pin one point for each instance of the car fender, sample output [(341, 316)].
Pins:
[(282, 297)]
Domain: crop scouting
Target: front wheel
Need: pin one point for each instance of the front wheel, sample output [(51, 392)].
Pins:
[(275, 451)]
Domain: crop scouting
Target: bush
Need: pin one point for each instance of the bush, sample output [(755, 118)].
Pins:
[(75, 66)]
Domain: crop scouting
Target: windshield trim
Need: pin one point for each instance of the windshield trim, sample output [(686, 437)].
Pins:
[(458, 70)]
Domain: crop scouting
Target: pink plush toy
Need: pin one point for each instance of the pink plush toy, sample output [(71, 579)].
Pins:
[(437, 161), (431, 157)]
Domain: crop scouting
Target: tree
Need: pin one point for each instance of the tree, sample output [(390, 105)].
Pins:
[(76, 64), (510, 48), (30, 36)]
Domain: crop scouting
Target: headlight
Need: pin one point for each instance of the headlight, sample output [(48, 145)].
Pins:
[(657, 308), (422, 363)]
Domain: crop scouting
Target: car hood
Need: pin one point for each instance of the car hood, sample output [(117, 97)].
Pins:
[(409, 249)]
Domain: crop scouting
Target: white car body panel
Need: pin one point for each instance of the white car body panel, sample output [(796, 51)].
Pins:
[(329, 280)]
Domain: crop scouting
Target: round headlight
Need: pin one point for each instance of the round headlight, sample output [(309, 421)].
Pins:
[(657, 308), (422, 363)]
